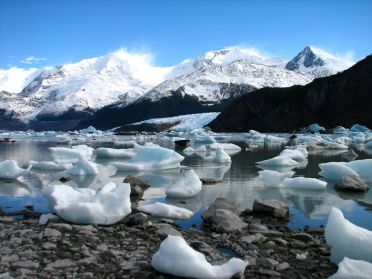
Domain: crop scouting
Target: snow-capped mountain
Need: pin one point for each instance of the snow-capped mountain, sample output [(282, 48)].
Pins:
[(208, 82), (318, 63), (88, 84)]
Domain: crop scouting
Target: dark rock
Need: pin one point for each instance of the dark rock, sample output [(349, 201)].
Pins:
[(138, 218), (210, 180), (271, 207), (227, 221), (183, 142), (64, 179), (137, 187), (351, 183), (220, 203)]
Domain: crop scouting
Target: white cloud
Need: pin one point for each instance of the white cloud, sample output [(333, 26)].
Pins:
[(32, 60), (15, 79)]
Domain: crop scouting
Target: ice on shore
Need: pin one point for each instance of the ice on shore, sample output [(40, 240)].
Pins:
[(353, 269), (347, 239), (44, 218), (176, 257), (104, 152), (189, 185), (87, 206), (151, 158), (166, 210), (273, 178), (335, 170), (304, 183), (218, 156), (9, 169), (49, 166), (71, 155)]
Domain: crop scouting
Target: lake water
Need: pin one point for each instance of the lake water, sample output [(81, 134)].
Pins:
[(239, 183)]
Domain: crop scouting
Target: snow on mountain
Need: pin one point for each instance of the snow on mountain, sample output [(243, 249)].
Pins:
[(14, 79), (319, 63), (89, 84), (207, 83)]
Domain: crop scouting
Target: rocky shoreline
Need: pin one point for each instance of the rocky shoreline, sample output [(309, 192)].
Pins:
[(124, 250)]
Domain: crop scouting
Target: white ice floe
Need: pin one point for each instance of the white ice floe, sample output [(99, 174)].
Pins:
[(104, 152), (347, 239), (71, 155), (287, 158), (9, 169), (151, 158), (86, 206), (205, 139), (218, 156), (273, 178), (188, 151), (304, 183), (83, 167), (353, 269), (201, 149), (335, 170), (189, 185), (166, 210), (176, 257), (49, 166), (229, 148), (44, 218)]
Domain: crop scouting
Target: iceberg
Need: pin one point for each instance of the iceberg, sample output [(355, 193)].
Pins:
[(166, 210), (279, 161), (273, 178), (71, 155), (349, 268), (187, 186), (86, 206), (347, 239), (104, 152), (218, 156), (304, 183), (176, 257), (9, 169), (151, 158), (48, 165), (83, 167), (335, 170)]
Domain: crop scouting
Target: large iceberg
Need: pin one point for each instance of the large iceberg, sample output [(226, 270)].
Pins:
[(9, 169), (335, 170), (151, 158), (86, 206), (104, 152), (176, 257), (187, 186), (347, 239), (166, 210), (353, 269)]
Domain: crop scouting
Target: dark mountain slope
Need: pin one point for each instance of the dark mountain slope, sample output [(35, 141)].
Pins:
[(342, 99)]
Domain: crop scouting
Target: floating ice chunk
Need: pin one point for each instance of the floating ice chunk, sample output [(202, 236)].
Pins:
[(166, 210), (218, 156), (187, 186), (86, 206), (349, 268), (360, 128), (176, 257), (225, 146), (279, 161), (201, 149), (49, 165), (114, 153), (335, 170), (9, 169), (273, 178), (83, 167), (205, 139), (269, 139), (368, 144), (151, 158), (299, 154), (347, 239), (70, 155), (44, 218), (304, 183), (315, 128), (189, 151), (343, 140)]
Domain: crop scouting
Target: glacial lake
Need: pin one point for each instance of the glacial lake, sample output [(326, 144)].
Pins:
[(239, 182)]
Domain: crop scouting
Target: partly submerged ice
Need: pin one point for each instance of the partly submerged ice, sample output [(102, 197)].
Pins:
[(166, 210), (304, 183), (104, 152), (353, 269), (71, 155), (273, 178), (9, 169), (187, 186), (86, 206), (49, 166), (287, 158), (218, 156), (176, 257), (347, 239), (151, 158), (335, 170)]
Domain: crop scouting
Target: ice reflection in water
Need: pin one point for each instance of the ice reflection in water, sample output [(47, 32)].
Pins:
[(238, 182)]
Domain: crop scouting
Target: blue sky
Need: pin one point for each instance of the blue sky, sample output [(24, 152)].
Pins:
[(49, 32)]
